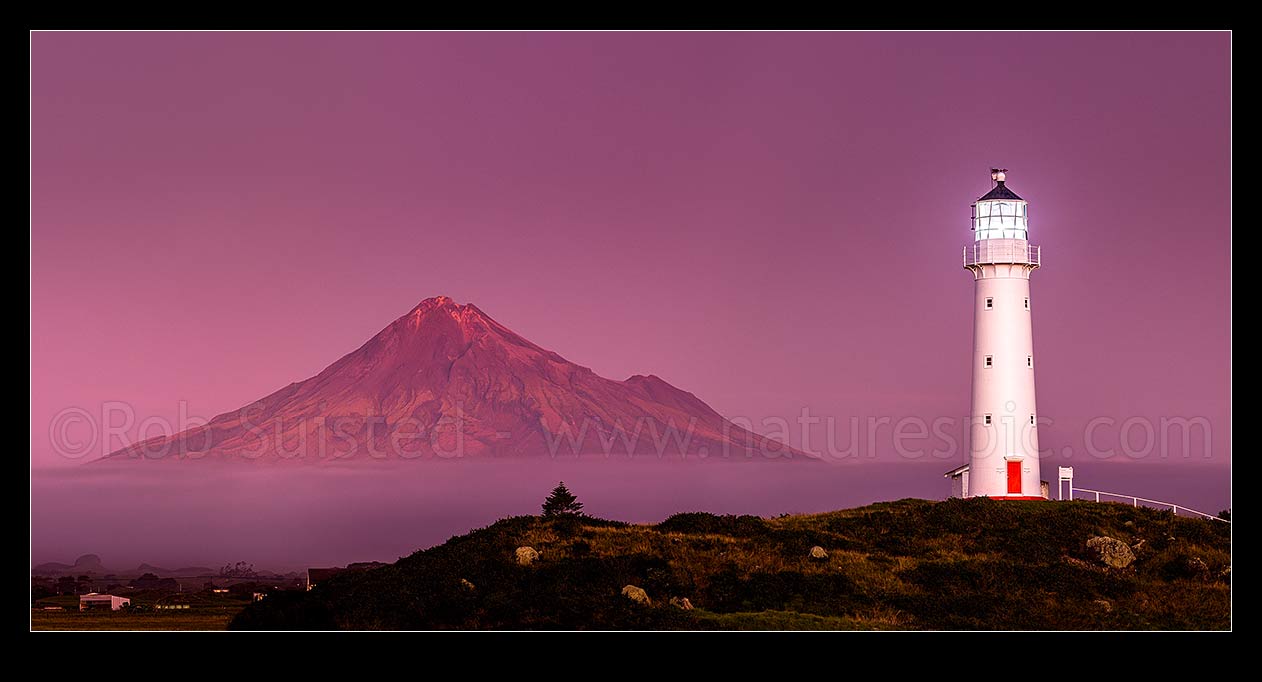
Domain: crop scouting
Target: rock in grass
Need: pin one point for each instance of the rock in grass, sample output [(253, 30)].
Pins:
[(1197, 567), (526, 555), (636, 594), (818, 552), (1114, 553), (681, 603)]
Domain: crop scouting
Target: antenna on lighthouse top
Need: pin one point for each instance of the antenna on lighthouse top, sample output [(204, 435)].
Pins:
[(998, 174)]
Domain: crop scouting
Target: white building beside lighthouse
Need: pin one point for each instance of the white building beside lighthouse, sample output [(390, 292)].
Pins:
[(1003, 437)]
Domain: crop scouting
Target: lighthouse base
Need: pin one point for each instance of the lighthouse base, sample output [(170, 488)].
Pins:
[(959, 487)]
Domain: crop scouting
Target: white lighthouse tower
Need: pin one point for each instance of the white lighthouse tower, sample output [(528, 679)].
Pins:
[(1003, 441)]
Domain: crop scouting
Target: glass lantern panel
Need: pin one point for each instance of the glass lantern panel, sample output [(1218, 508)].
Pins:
[(1000, 220)]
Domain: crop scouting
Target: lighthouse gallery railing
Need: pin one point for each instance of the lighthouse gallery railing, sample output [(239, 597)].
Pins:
[(1005, 251)]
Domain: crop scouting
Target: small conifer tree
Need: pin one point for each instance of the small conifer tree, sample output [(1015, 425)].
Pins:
[(562, 502)]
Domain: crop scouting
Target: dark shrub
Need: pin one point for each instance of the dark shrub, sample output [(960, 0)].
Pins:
[(705, 523)]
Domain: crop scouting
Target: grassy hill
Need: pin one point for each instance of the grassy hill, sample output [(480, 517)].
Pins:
[(910, 564)]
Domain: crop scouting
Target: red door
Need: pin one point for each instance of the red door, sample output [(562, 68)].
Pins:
[(1014, 478)]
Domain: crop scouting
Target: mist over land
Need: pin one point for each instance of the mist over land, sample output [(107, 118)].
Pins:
[(287, 518)]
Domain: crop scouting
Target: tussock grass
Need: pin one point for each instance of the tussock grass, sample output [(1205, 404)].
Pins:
[(906, 564)]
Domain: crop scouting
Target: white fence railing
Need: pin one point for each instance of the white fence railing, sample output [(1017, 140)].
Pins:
[(1136, 500)]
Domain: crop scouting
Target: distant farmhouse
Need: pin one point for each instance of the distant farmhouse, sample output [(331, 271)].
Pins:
[(94, 601)]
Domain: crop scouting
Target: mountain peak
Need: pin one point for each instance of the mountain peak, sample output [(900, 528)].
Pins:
[(446, 378), (437, 302), (437, 312)]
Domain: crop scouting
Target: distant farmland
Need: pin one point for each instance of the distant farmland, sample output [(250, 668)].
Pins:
[(207, 616)]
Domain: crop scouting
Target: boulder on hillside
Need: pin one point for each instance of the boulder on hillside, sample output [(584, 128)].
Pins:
[(1113, 552), (636, 594), (1197, 567), (526, 555), (681, 603)]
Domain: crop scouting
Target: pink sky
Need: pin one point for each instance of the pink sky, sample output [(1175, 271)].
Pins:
[(771, 221)]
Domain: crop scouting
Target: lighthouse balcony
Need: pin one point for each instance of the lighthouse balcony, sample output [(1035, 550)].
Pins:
[(1001, 251)]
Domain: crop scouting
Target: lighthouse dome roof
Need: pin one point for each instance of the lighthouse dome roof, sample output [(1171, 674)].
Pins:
[(1000, 192)]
